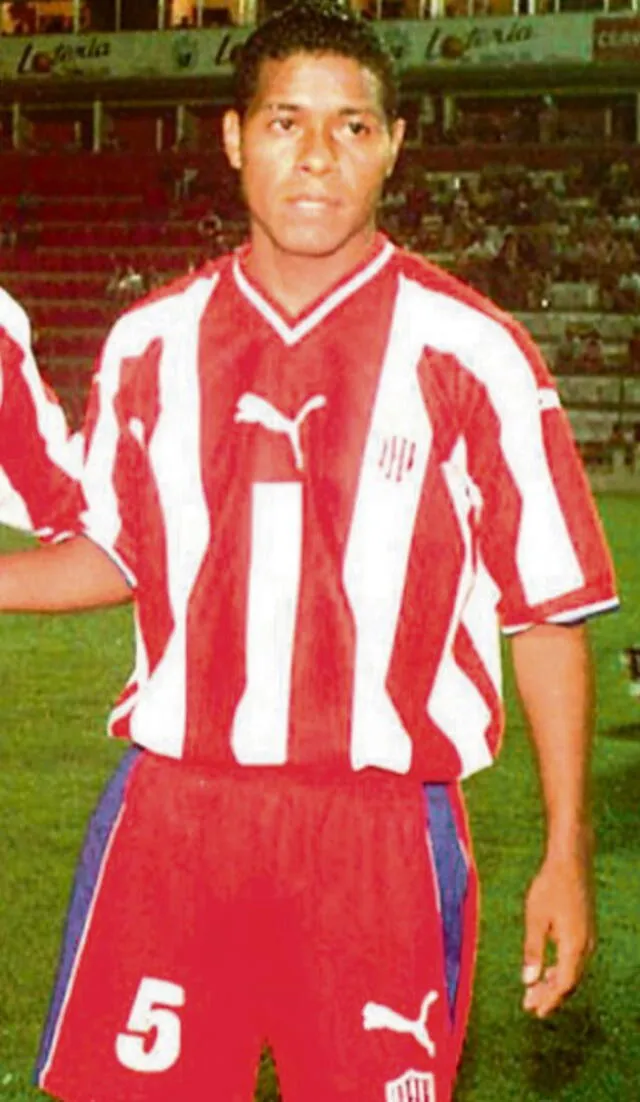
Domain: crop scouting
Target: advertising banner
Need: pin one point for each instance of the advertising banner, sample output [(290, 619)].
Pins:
[(616, 39), (130, 55), (492, 42)]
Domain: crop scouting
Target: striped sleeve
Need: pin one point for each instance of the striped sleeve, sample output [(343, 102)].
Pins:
[(147, 361), (540, 535), (39, 460)]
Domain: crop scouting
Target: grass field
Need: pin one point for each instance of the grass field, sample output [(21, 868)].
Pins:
[(58, 677)]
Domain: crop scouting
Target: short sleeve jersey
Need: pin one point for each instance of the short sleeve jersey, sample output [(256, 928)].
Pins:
[(39, 462), (326, 520)]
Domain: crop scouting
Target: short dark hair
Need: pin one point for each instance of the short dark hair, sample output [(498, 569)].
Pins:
[(314, 27)]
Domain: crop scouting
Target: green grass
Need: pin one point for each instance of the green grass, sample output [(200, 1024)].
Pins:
[(59, 675)]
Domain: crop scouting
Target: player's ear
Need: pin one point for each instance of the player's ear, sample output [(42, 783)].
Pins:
[(398, 127), (232, 138)]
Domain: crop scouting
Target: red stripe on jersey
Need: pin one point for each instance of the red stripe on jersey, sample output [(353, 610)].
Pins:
[(230, 457), (143, 540), (500, 496)]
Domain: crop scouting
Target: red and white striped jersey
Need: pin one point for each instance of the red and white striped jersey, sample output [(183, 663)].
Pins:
[(326, 520), (39, 465)]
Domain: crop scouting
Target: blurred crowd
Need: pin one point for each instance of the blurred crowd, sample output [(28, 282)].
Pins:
[(518, 235), (546, 240)]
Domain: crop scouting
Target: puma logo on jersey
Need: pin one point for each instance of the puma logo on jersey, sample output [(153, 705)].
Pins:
[(375, 1016), (252, 409)]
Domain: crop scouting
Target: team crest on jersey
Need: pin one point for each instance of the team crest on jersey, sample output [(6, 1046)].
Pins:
[(412, 1086), (396, 458)]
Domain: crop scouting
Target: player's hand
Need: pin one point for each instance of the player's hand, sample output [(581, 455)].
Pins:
[(559, 932)]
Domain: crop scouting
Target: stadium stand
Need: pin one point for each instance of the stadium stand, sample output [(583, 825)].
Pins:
[(88, 235)]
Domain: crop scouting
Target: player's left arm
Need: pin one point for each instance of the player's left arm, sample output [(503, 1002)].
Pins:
[(543, 544), (553, 671)]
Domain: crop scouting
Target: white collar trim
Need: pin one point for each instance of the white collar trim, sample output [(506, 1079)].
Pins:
[(291, 334)]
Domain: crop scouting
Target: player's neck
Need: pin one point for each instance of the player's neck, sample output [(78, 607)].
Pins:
[(293, 281)]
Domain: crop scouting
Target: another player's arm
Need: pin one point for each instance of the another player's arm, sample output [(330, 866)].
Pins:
[(75, 574)]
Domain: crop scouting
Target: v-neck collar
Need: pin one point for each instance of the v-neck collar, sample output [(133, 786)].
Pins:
[(291, 331)]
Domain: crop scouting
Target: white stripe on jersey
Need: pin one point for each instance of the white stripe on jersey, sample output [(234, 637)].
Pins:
[(455, 327), (455, 704), (101, 518), (379, 544), (261, 722)]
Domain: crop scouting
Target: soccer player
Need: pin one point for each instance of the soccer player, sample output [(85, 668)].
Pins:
[(39, 464), (326, 472)]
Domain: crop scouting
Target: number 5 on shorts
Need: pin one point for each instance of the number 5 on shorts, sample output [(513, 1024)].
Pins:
[(150, 1011)]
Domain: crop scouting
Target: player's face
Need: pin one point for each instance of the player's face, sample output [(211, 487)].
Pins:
[(313, 150)]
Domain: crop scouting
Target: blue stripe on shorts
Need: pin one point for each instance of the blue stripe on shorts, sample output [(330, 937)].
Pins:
[(452, 874), (88, 869)]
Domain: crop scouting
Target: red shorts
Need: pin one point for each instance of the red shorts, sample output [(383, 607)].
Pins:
[(212, 913)]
